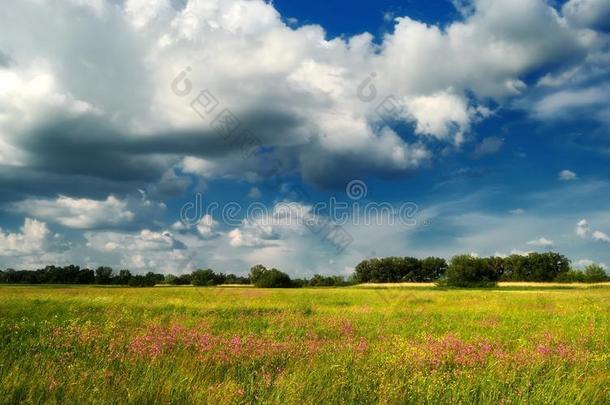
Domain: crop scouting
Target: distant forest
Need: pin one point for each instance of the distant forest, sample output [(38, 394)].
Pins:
[(461, 271)]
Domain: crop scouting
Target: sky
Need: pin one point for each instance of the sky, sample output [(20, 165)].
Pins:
[(170, 135)]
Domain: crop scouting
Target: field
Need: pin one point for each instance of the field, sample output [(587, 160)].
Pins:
[(346, 345)]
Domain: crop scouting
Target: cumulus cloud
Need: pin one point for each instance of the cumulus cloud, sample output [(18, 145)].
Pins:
[(593, 14), (85, 213), (252, 234), (94, 123), (541, 242), (601, 236), (33, 238), (567, 175), (67, 99), (207, 227), (582, 228)]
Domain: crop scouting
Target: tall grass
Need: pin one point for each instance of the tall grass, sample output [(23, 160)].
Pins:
[(354, 345)]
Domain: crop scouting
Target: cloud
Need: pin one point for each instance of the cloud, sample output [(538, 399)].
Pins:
[(601, 236), (143, 241), (91, 214), (252, 234), (33, 238), (488, 146), (75, 110), (567, 175), (254, 193), (517, 211), (556, 105), (85, 126), (541, 242), (206, 227), (582, 228), (593, 14)]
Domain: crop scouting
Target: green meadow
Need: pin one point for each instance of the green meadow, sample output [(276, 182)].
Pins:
[(521, 344)]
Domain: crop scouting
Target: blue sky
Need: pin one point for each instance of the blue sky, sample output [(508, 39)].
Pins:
[(496, 129)]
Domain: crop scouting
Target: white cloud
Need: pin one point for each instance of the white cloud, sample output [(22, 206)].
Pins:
[(253, 234), (517, 211), (83, 213), (588, 13), (601, 236), (582, 263), (33, 237), (143, 241), (557, 104), (207, 227), (78, 213), (295, 87), (441, 114), (541, 242), (300, 84), (582, 228), (567, 175)]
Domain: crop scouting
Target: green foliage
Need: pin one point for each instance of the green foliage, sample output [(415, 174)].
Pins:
[(326, 281), (571, 276), (206, 277), (256, 272), (124, 277), (469, 271), (103, 275), (269, 278), (595, 274), (396, 269), (535, 267)]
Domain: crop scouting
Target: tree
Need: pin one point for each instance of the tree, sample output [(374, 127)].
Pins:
[(273, 278), (432, 268), (206, 277), (256, 272), (363, 272), (469, 271), (595, 274), (183, 279), (103, 275), (326, 281), (123, 277)]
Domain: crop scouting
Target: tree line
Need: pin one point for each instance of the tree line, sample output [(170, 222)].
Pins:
[(461, 271), (259, 275), (471, 271)]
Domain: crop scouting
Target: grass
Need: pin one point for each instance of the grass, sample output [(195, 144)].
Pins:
[(347, 345)]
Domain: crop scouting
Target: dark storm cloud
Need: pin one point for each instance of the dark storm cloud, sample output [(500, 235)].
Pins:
[(88, 157)]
